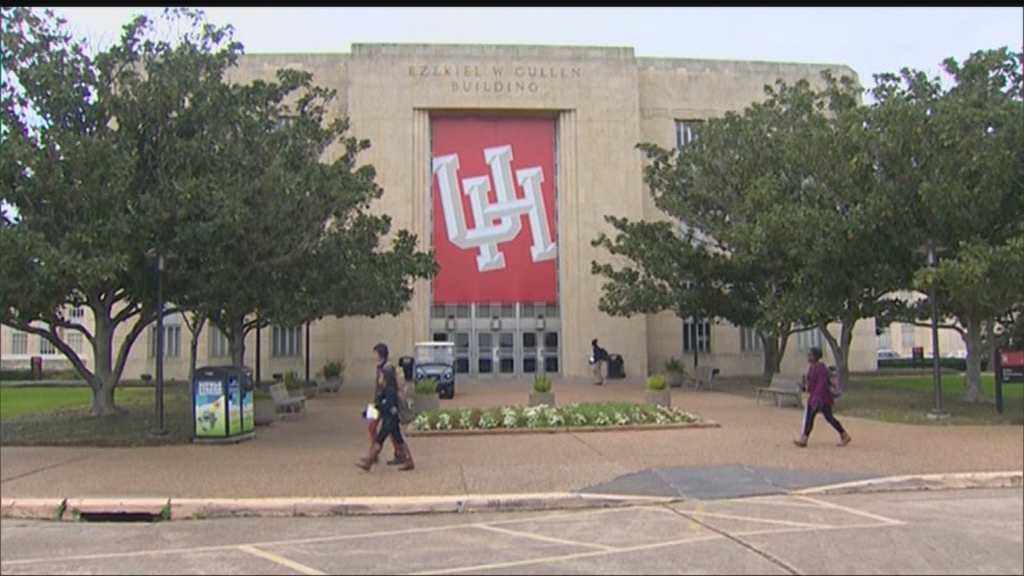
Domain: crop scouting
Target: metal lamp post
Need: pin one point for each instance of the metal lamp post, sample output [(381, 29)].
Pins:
[(160, 430), (933, 262)]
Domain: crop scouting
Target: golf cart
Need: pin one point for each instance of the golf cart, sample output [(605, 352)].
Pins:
[(436, 360)]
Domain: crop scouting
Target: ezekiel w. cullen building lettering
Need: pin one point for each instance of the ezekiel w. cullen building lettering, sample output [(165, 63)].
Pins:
[(505, 160)]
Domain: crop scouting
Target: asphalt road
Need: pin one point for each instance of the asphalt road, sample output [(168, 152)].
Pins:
[(951, 532)]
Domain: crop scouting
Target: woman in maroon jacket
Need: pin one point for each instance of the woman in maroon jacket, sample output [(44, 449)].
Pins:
[(820, 399)]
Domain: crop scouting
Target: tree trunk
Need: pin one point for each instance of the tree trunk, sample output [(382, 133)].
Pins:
[(104, 380), (237, 341), (972, 380), (197, 328), (773, 346), (841, 349), (990, 343)]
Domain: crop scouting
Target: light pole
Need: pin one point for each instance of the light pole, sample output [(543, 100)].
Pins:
[(160, 430), (933, 262)]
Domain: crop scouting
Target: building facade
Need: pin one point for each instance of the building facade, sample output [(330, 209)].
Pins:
[(505, 160)]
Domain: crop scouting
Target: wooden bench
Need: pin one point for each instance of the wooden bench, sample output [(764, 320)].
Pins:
[(285, 403), (782, 387), (703, 376)]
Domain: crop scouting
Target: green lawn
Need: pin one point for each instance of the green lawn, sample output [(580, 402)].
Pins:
[(30, 400), (59, 417), (909, 399)]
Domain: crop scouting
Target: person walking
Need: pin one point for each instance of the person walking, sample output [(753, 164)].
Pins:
[(598, 359), (373, 424), (820, 399), (387, 402)]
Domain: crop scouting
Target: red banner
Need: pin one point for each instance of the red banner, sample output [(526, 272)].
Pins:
[(494, 210)]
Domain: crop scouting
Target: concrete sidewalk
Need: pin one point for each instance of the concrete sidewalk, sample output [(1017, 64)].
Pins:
[(313, 457)]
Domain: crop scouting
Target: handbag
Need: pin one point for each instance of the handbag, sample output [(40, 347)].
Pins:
[(405, 412), (371, 413)]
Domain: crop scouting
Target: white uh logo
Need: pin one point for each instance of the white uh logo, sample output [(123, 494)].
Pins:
[(498, 222)]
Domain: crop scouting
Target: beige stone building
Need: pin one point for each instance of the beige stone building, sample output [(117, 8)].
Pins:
[(506, 159)]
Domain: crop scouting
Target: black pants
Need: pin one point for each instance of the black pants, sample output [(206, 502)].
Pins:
[(390, 427), (810, 413)]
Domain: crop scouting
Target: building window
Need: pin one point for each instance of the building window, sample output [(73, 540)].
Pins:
[(19, 343), (75, 341), (287, 341), (750, 340), (885, 339), (78, 312), (172, 341), (46, 347), (684, 131), (907, 335), (219, 344), (697, 336), (807, 339)]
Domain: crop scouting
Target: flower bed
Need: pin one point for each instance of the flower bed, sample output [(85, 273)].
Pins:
[(607, 415)]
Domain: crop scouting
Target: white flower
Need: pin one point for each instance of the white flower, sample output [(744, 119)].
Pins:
[(444, 421), (421, 423), (622, 418), (465, 419), (579, 418), (602, 420), (509, 419), (488, 421)]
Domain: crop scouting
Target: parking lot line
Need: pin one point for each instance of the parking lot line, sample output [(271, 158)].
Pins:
[(542, 538), (278, 559), (854, 511), (564, 557)]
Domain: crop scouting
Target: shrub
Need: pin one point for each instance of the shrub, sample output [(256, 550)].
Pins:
[(260, 394), (426, 387), (292, 381), (541, 384), (588, 414), (674, 366), (657, 382), (333, 369)]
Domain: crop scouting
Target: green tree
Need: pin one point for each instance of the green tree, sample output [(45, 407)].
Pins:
[(956, 150), (94, 151), (788, 191), (280, 236)]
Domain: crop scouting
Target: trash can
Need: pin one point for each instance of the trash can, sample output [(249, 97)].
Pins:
[(406, 363), (36, 364), (222, 404), (616, 366), (917, 353)]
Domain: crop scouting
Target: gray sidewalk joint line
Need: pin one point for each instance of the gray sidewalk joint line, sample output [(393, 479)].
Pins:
[(785, 566), (848, 509), (46, 468)]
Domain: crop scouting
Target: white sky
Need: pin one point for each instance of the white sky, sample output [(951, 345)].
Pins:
[(870, 40)]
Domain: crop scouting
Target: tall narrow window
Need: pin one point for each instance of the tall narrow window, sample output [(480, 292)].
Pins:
[(287, 341), (750, 340)]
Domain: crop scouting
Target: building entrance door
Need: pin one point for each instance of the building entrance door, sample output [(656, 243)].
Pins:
[(500, 340)]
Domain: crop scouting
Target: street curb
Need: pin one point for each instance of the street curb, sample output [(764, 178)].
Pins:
[(953, 481), (205, 508), (562, 429)]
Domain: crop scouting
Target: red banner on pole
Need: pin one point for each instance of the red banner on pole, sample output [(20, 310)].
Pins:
[(494, 210)]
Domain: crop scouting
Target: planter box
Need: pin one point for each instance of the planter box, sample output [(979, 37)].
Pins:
[(264, 412), (658, 398), (675, 380), (538, 398), (424, 402), (310, 391)]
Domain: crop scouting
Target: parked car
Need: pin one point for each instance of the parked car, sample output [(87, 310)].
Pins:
[(962, 354), (888, 354)]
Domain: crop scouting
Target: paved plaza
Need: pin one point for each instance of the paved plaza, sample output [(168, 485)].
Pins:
[(313, 456), (949, 532)]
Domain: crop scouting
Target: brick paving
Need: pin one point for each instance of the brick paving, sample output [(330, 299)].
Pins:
[(314, 456)]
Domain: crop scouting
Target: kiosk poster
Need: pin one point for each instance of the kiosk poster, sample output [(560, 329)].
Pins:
[(210, 408), (234, 405), (1012, 366), (248, 418)]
